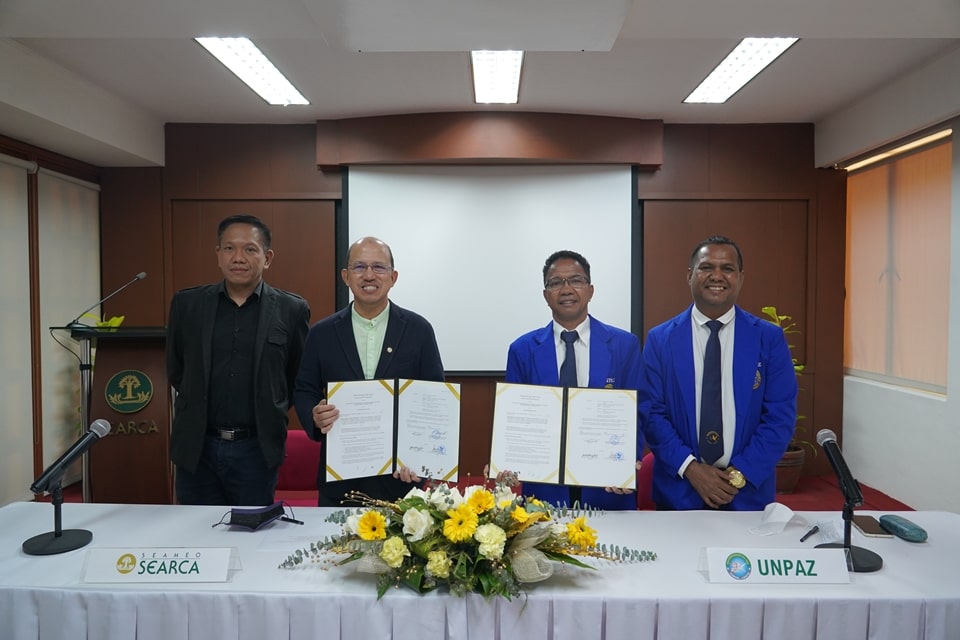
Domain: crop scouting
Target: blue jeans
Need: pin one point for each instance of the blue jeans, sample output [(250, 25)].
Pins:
[(231, 473)]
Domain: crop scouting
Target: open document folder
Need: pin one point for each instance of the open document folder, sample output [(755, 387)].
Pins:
[(584, 437), (388, 424)]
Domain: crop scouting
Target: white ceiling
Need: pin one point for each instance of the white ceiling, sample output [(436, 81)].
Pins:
[(350, 58)]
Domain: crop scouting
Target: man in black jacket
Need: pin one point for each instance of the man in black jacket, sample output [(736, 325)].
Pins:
[(371, 339), (233, 350)]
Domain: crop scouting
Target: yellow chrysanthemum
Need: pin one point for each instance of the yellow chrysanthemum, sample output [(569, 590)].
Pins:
[(480, 501), (581, 535), (372, 526), (460, 523), (520, 515)]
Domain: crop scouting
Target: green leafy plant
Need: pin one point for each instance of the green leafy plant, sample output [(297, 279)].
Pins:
[(789, 327)]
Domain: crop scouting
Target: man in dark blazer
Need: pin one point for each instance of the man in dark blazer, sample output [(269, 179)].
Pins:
[(371, 339), (759, 393), (233, 350), (610, 358)]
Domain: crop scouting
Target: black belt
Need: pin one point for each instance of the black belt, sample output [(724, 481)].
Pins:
[(231, 433)]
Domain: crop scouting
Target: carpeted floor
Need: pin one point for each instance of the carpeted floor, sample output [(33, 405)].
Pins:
[(821, 493)]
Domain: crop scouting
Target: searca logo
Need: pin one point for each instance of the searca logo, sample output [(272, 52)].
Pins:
[(179, 563)]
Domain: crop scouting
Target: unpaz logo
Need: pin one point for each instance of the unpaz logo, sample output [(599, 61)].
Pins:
[(129, 391), (738, 566)]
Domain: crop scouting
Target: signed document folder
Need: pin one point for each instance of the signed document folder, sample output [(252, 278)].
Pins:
[(388, 424), (556, 435)]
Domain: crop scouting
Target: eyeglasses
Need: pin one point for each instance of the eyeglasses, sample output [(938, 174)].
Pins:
[(359, 268), (577, 282)]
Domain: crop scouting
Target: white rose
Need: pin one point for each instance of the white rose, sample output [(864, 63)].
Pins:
[(416, 524), (417, 492), (502, 494), (353, 523), (445, 498)]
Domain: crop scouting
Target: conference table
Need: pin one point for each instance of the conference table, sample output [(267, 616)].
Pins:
[(916, 595)]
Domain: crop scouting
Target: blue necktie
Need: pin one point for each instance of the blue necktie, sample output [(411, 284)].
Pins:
[(711, 399), (568, 370)]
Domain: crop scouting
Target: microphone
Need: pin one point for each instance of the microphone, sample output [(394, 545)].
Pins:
[(51, 477), (858, 559), (848, 484), (76, 321)]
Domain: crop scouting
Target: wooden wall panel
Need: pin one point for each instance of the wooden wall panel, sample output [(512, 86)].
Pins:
[(481, 137), (476, 420), (303, 245), (206, 161), (772, 235), (131, 240)]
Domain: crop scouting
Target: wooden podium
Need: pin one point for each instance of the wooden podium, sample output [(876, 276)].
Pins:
[(130, 465)]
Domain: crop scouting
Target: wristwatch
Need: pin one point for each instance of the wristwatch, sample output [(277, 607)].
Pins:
[(736, 478)]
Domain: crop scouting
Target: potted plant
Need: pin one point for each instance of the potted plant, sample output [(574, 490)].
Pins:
[(790, 467)]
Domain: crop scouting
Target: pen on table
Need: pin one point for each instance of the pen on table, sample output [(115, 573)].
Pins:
[(288, 519), (809, 533)]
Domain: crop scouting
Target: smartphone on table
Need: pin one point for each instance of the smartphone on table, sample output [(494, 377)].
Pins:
[(870, 526)]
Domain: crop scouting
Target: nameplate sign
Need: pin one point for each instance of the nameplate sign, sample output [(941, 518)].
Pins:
[(157, 565), (777, 566)]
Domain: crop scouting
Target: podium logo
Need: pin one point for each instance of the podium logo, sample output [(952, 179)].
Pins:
[(129, 391), (126, 563)]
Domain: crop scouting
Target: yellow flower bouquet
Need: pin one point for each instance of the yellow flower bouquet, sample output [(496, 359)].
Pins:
[(489, 542)]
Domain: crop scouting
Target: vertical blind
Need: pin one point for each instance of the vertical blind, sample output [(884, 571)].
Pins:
[(898, 269)]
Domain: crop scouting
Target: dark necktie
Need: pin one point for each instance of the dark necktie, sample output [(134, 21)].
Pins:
[(568, 370), (711, 399)]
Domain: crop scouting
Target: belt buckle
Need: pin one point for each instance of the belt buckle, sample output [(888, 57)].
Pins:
[(228, 434)]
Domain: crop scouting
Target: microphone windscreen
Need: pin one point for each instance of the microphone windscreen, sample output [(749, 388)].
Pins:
[(100, 427), (141, 275), (825, 435)]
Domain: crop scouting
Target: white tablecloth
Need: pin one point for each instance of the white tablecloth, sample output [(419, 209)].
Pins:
[(915, 596)]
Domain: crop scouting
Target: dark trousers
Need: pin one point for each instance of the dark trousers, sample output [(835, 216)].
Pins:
[(230, 473), (559, 494)]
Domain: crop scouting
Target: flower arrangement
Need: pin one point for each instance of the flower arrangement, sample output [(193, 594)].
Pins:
[(486, 541)]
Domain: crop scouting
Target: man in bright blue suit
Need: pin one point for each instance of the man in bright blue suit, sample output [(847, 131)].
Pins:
[(758, 387), (606, 357)]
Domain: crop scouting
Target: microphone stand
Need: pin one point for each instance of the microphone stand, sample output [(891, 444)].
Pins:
[(859, 560), (58, 540)]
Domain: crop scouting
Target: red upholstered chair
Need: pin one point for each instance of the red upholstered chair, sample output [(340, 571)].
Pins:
[(645, 484), (297, 484)]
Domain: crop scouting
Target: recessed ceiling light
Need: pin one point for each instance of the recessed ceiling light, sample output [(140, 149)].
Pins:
[(249, 64), (749, 58), (496, 76)]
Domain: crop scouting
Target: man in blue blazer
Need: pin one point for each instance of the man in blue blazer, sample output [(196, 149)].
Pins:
[(371, 339), (233, 350), (606, 357), (758, 390)]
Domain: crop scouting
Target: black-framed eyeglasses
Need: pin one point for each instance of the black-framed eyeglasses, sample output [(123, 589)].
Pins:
[(359, 268), (577, 282)]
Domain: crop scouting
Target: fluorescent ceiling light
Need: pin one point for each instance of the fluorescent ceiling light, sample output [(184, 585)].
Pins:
[(247, 62), (496, 76), (749, 58), (933, 137)]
